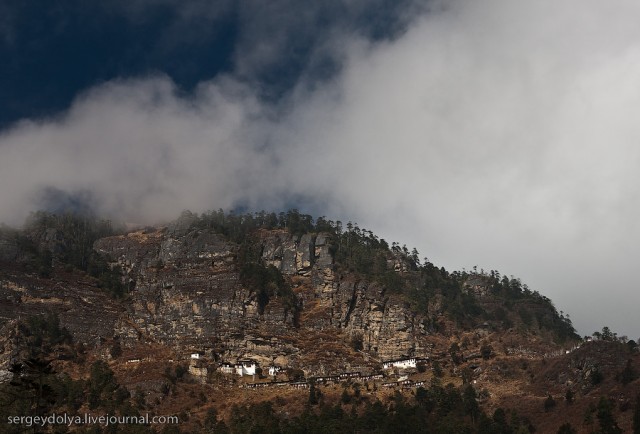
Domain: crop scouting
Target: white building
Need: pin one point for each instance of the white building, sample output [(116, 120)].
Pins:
[(273, 370), (411, 362), (227, 368), (246, 367)]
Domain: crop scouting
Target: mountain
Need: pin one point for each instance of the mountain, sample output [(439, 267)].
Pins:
[(164, 309)]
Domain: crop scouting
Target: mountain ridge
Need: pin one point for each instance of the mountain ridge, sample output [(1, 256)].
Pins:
[(287, 292)]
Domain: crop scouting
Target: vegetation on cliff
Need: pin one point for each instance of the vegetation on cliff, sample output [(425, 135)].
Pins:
[(67, 239), (444, 300), (38, 389), (505, 301)]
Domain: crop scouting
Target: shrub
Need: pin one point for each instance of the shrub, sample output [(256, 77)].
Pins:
[(549, 403), (486, 351)]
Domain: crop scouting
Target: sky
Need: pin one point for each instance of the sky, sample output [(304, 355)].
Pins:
[(499, 134)]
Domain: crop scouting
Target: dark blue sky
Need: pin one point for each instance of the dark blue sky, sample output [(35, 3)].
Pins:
[(52, 50)]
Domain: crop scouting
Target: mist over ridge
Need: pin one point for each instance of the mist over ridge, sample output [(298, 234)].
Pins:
[(500, 135)]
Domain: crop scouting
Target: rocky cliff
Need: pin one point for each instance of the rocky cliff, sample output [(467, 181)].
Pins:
[(88, 313), (187, 293), (282, 291)]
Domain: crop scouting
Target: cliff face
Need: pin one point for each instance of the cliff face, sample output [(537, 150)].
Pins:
[(187, 293), (361, 309), (84, 309), (271, 296)]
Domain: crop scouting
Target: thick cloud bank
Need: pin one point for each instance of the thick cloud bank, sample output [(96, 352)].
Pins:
[(495, 133)]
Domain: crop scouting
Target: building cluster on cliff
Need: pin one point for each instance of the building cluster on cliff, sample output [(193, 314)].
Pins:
[(199, 367)]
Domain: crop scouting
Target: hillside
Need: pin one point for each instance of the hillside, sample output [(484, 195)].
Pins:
[(168, 307)]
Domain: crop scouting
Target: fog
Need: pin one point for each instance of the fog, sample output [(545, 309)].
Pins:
[(498, 134)]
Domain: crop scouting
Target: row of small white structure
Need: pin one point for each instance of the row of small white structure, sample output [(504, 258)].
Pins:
[(249, 367), (242, 368)]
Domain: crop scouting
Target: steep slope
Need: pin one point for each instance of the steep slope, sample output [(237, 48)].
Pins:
[(271, 288), (189, 293), (307, 296)]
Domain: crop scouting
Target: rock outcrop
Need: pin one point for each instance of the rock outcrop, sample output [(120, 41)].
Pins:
[(187, 293), (87, 311)]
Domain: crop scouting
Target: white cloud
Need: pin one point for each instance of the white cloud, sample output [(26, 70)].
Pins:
[(500, 133), (140, 149)]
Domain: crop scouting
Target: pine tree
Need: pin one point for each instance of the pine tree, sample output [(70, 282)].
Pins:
[(608, 423), (567, 428), (636, 416), (471, 406)]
